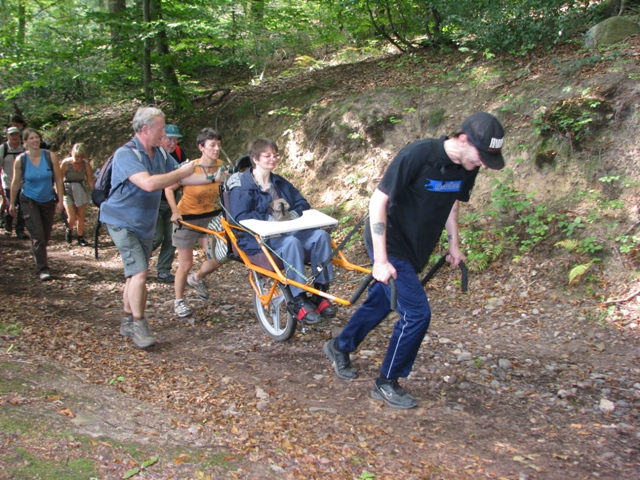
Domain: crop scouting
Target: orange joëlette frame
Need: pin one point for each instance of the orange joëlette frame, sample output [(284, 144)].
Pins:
[(276, 273)]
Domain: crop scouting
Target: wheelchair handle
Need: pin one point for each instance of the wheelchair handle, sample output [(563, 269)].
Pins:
[(365, 283), (463, 269)]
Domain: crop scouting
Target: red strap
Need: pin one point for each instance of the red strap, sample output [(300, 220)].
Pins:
[(323, 304), (303, 313)]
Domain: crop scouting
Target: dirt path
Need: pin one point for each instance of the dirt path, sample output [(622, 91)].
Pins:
[(516, 379)]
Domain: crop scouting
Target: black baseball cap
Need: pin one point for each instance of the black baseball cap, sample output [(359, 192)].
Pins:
[(487, 135)]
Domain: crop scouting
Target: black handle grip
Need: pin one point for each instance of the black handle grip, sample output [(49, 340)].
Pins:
[(394, 294), (465, 280), (361, 288)]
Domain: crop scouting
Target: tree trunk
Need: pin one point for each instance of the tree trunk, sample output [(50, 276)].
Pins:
[(257, 11), (171, 82), (162, 47), (146, 57), (115, 8), (22, 22)]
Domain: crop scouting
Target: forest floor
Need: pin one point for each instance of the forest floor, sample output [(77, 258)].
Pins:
[(522, 377), (517, 379)]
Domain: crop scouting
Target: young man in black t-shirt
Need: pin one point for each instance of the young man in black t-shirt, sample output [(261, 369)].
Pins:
[(417, 197)]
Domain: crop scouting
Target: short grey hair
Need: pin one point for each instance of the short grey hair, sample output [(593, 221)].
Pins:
[(144, 116)]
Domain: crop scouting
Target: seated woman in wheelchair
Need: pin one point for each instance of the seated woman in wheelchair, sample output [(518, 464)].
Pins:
[(257, 193)]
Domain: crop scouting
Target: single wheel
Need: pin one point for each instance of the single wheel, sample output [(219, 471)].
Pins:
[(275, 319)]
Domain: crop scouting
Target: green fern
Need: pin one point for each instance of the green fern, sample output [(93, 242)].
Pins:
[(569, 244), (578, 271)]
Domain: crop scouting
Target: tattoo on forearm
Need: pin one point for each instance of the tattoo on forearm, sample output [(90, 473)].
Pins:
[(378, 228)]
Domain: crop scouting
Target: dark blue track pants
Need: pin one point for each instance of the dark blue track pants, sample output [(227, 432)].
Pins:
[(409, 330)]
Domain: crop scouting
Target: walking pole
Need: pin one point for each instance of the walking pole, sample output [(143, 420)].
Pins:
[(436, 267), (95, 240)]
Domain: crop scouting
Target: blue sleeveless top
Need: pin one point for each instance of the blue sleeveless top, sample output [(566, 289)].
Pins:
[(38, 182)]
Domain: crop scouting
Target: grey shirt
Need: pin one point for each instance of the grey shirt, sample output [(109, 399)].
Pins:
[(7, 158)]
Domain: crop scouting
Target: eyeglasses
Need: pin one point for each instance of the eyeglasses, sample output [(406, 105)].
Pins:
[(269, 156)]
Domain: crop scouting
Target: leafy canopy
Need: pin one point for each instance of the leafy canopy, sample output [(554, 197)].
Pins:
[(57, 52)]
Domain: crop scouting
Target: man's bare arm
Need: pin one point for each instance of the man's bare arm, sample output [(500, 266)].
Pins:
[(382, 269)]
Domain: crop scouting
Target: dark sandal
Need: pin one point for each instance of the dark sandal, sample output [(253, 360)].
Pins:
[(308, 316), (326, 309)]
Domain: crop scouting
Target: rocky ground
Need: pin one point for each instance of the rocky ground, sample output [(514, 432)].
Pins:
[(521, 377)]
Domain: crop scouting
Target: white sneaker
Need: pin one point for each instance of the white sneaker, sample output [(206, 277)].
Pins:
[(181, 308), (198, 285)]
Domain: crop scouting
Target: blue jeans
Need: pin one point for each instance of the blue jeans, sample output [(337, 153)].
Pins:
[(291, 247), (408, 331)]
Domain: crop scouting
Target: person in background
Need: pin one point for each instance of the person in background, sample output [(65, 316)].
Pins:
[(262, 195), (9, 151), (131, 212), (198, 205), (417, 197), (38, 199), (164, 228), (171, 143), (18, 122), (75, 171)]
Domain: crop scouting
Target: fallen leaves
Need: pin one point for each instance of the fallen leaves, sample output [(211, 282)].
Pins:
[(67, 412), (182, 458), (527, 461)]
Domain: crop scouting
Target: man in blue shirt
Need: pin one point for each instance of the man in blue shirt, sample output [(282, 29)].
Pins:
[(417, 197), (131, 211)]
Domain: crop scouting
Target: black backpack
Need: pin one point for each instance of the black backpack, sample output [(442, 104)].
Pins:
[(102, 186)]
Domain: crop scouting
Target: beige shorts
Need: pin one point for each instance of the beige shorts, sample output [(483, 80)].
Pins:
[(184, 237)]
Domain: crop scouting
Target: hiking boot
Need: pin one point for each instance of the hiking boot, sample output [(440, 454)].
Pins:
[(341, 361), (126, 326), (305, 311), (21, 235), (166, 277), (198, 285), (181, 308), (82, 242), (142, 335), (392, 394), (45, 276), (68, 236)]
